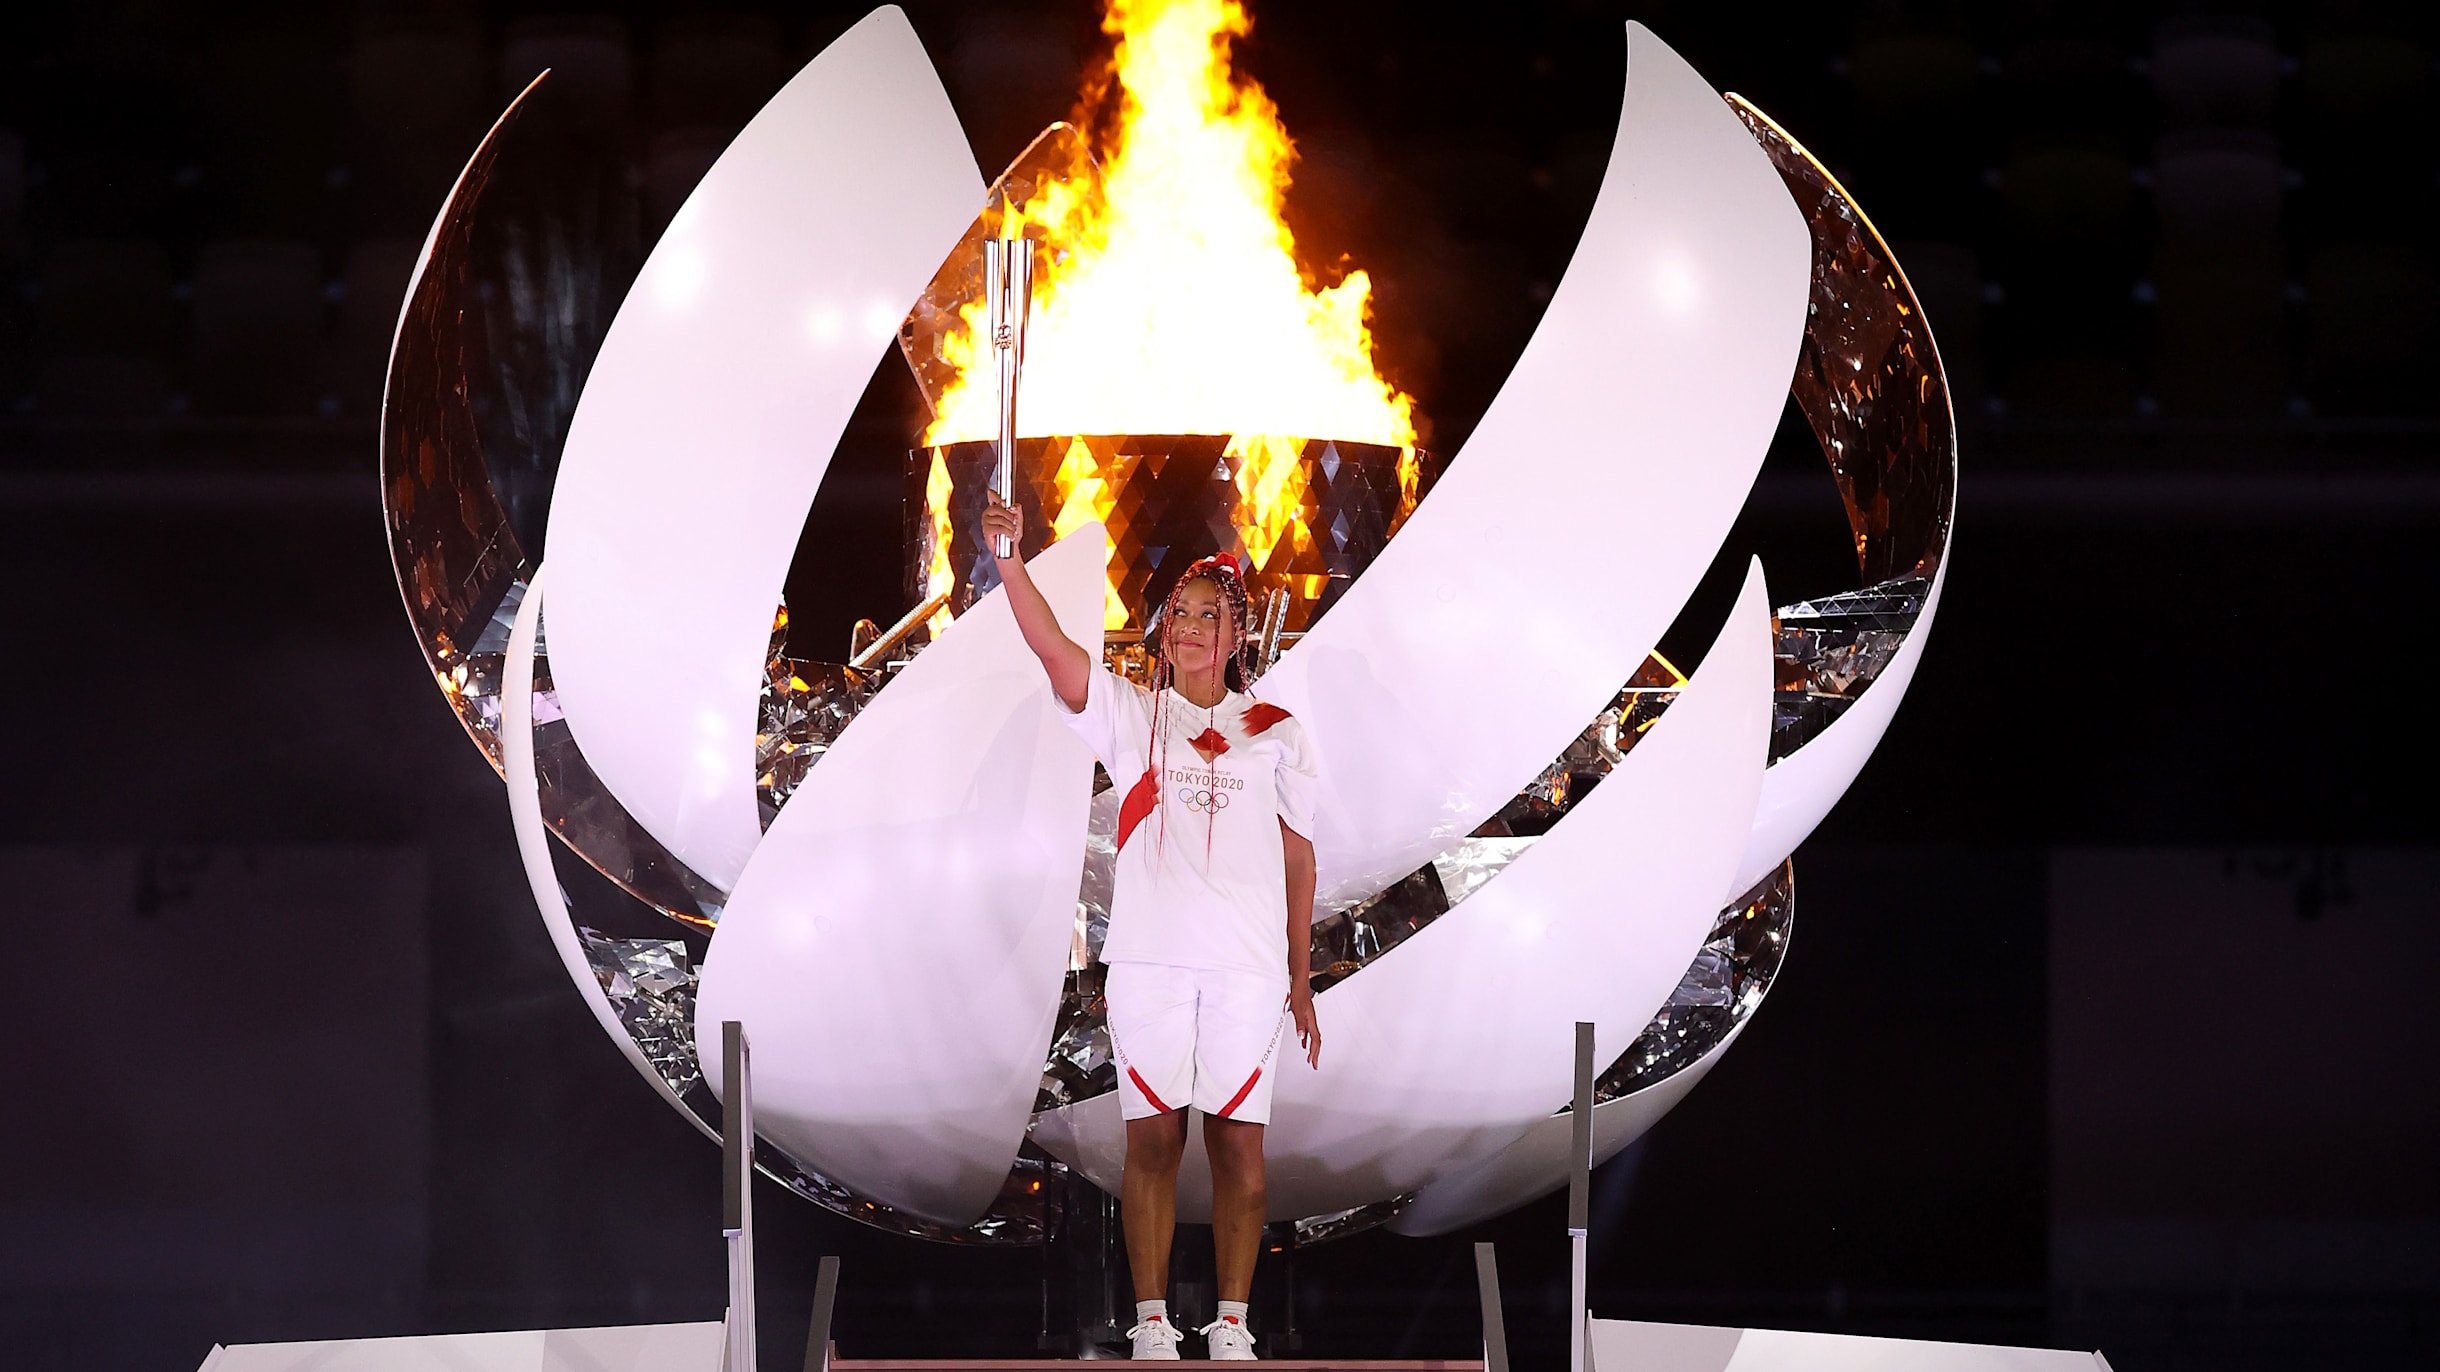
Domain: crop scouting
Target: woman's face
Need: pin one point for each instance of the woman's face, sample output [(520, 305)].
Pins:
[(1199, 636)]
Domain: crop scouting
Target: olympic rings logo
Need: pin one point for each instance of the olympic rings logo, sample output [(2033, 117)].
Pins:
[(1210, 801)]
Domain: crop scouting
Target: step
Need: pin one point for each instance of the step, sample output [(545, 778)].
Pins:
[(1074, 1363)]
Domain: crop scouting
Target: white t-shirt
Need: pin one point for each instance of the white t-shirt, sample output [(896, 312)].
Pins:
[(1202, 878)]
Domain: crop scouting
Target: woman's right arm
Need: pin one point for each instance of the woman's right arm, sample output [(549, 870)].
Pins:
[(1065, 661)]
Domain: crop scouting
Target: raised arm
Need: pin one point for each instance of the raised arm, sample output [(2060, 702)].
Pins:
[(1064, 661)]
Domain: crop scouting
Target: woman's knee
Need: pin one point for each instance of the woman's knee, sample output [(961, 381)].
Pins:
[(1158, 1142), (1234, 1147)]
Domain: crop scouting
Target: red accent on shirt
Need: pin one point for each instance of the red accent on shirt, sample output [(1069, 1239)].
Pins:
[(1209, 743), (1233, 1101), (1137, 806), (1138, 1079), (1261, 715)]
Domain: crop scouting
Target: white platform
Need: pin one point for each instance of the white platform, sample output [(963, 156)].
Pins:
[(621, 1348), (1634, 1346)]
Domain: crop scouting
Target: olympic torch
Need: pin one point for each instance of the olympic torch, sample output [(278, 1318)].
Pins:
[(1008, 290)]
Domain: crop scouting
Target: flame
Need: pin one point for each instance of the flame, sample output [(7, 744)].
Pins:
[(1084, 497), (1270, 495), (1171, 301), (940, 578)]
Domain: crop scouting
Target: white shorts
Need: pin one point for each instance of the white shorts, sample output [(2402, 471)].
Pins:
[(1195, 1036)]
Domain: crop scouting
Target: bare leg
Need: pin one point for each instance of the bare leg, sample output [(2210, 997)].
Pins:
[(1148, 1197), (1239, 1197)]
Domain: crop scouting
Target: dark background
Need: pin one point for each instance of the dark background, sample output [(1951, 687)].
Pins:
[(2105, 1023)]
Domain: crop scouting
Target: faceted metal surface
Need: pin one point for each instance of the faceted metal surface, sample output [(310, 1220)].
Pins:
[(651, 984), (1315, 1229), (1868, 378), (1870, 385), (1017, 1217), (1350, 938), (1080, 1064), (1833, 647), (804, 706), (1308, 515), (1465, 869), (1725, 984), (1100, 871), (449, 539), (482, 339)]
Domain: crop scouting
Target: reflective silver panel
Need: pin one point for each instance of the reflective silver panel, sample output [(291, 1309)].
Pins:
[(1727, 980), (651, 984), (484, 334), (1868, 377), (1315, 1229), (1080, 1066), (1018, 1217), (1830, 649), (804, 706)]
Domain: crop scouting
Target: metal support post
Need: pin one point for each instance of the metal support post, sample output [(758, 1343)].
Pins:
[(1579, 1198), (1053, 1248), (737, 1190), (1495, 1329), (1287, 1340), (825, 1296)]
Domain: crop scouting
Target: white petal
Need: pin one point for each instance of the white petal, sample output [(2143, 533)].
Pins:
[(1537, 1163), (896, 945), (1800, 788), (1586, 505), (710, 416), (534, 842)]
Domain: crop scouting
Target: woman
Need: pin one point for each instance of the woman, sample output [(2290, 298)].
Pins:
[(1210, 920)]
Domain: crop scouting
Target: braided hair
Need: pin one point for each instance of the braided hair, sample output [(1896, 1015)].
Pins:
[(1228, 580), (1221, 570)]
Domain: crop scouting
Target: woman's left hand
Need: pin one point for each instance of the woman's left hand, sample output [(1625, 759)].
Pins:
[(1308, 1029)]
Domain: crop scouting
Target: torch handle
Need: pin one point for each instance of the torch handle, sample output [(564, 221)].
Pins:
[(1004, 478)]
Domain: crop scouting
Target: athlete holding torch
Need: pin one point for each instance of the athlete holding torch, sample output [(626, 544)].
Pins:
[(1210, 921)]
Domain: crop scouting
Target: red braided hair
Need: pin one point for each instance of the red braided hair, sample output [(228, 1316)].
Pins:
[(1228, 579)]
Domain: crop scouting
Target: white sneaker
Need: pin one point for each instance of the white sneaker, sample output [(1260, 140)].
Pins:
[(1155, 1338), (1228, 1340)]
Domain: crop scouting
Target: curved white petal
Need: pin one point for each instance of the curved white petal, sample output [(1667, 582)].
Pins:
[(534, 842), (1584, 508), (711, 412), (1799, 789), (1537, 1164), (896, 945), (1452, 1046)]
